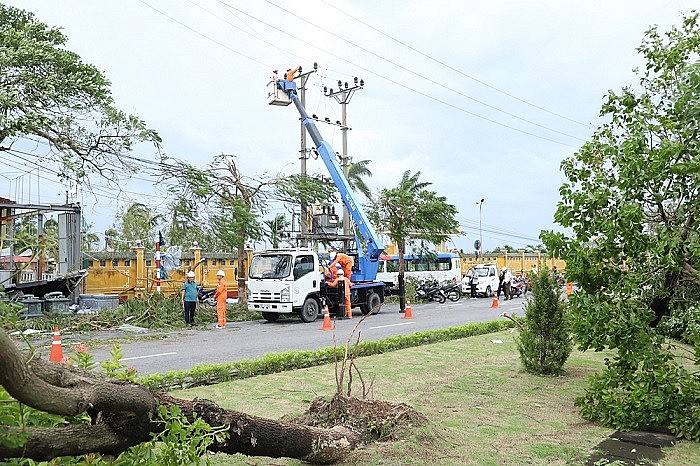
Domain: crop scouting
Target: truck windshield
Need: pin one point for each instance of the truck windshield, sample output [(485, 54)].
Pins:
[(271, 266)]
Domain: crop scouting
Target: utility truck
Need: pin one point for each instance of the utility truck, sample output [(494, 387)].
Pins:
[(285, 281)]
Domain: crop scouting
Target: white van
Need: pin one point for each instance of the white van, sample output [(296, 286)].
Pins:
[(488, 280)]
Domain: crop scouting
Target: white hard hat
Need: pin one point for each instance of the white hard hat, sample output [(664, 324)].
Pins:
[(504, 269), (340, 272), (190, 274), (332, 254), (220, 273)]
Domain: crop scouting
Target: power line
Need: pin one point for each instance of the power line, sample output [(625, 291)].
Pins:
[(454, 69), (416, 73), (403, 85)]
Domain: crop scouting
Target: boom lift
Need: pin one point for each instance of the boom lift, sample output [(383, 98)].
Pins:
[(290, 280)]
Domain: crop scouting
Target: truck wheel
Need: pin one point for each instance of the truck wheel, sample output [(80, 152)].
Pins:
[(374, 303), (271, 316), (488, 292), (309, 312)]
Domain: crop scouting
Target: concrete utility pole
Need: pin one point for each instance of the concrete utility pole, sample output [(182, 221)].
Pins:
[(304, 152), (343, 95)]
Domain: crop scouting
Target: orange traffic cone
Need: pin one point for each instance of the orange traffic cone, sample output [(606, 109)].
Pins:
[(494, 303), (327, 325), (409, 311), (56, 347)]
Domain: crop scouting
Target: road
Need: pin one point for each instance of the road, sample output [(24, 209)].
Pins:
[(183, 349)]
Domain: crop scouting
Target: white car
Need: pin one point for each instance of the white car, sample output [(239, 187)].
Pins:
[(488, 280)]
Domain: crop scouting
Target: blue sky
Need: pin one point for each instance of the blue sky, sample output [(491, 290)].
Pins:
[(485, 98)]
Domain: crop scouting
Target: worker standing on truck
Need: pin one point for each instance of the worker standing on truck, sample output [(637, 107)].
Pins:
[(345, 261), (220, 297), (343, 283)]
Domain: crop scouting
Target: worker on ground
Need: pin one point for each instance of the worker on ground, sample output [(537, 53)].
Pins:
[(188, 298), (345, 261), (220, 296), (340, 282)]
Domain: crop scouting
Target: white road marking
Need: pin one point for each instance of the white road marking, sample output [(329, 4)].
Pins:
[(148, 356), (392, 325)]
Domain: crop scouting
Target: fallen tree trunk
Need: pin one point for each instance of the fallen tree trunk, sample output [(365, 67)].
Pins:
[(121, 416)]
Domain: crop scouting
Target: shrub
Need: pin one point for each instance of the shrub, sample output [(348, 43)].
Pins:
[(545, 341)]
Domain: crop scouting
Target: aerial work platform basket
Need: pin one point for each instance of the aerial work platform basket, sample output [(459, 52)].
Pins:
[(276, 95)]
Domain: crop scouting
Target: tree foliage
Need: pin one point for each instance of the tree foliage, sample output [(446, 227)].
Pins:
[(357, 171), (411, 211), (49, 95), (233, 203), (631, 201), (275, 228), (305, 189), (545, 341), (136, 224)]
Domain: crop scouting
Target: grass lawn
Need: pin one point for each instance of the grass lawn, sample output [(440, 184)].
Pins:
[(483, 409)]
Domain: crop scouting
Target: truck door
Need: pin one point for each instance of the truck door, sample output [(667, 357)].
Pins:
[(306, 277)]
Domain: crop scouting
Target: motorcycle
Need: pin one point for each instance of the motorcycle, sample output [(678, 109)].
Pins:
[(430, 291), (517, 287), (206, 296), (452, 291)]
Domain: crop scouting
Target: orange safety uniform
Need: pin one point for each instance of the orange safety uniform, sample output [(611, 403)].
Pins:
[(339, 281), (220, 296), (290, 73), (346, 262)]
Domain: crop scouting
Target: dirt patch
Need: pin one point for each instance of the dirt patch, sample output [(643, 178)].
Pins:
[(374, 420)]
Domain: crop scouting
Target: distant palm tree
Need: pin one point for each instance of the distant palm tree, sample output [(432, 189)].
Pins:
[(356, 172), (411, 184), (275, 228)]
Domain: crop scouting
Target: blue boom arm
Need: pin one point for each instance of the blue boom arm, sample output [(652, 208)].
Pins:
[(369, 262)]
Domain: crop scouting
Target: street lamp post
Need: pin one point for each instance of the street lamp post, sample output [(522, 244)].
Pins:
[(481, 239)]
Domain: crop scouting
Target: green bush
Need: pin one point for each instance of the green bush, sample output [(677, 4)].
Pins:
[(682, 325), (545, 341), (653, 393)]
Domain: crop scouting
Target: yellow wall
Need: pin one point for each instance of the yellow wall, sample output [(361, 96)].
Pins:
[(110, 274), (517, 262)]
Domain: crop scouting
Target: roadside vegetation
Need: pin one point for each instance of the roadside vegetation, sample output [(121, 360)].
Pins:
[(482, 407)]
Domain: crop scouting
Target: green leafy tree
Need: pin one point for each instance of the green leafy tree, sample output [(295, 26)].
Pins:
[(26, 236), (186, 223), (631, 201), (275, 228), (411, 211), (136, 224), (307, 189), (89, 240), (357, 171), (545, 340), (234, 204), (49, 94)]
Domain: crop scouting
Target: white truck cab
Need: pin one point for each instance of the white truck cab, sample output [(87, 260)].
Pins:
[(282, 281), (286, 281)]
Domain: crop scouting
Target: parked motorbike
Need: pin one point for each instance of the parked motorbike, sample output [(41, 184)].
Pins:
[(206, 296), (452, 291), (430, 291), (517, 287)]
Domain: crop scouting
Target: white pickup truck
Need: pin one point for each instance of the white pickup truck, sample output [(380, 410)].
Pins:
[(488, 280)]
